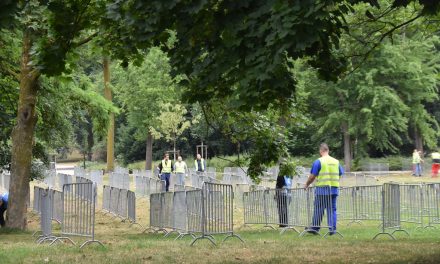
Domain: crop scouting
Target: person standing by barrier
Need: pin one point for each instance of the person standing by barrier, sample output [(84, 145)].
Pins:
[(165, 168), (3, 207), (435, 164), (180, 169), (283, 194), (327, 172), (416, 160), (199, 164)]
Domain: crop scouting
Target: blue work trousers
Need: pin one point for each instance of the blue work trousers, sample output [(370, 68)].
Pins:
[(324, 202), (166, 177)]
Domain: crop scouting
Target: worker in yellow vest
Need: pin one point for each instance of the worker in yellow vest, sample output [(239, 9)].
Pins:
[(435, 164), (165, 168), (199, 164), (326, 171), (417, 160), (180, 169)]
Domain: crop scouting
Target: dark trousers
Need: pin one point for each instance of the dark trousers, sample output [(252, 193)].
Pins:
[(2, 216), (328, 203), (282, 203), (166, 177)]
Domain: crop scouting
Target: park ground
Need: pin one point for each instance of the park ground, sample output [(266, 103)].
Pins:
[(128, 244)]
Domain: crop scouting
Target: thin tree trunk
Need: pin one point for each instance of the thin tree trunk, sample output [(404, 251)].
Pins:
[(111, 128), (149, 152), (22, 140), (90, 139), (347, 147), (174, 150), (418, 140)]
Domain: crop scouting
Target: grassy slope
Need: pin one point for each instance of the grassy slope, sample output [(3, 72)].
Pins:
[(125, 244)]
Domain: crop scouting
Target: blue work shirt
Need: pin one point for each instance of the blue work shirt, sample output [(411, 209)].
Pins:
[(5, 198), (316, 168)]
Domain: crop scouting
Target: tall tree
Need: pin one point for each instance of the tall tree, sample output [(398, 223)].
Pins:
[(142, 90), (111, 127)]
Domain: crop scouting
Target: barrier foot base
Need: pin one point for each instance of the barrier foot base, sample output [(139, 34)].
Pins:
[(91, 241), (355, 221), (309, 231), (210, 238), (36, 232), (233, 235), (42, 239), (58, 239), (289, 228), (150, 229), (384, 233), (161, 230), (182, 235), (400, 230), (429, 226), (169, 233), (331, 233), (269, 226), (134, 223)]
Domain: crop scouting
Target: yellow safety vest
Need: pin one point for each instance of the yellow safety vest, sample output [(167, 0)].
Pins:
[(180, 167), (435, 155), (166, 167), (329, 173), (416, 158), (196, 165)]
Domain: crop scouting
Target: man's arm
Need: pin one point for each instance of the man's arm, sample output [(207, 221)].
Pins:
[(310, 180)]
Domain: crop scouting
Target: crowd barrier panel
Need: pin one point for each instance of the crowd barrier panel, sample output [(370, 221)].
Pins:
[(79, 212), (216, 212), (96, 176), (390, 211)]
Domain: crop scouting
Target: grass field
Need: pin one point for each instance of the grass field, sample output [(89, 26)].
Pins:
[(127, 244)]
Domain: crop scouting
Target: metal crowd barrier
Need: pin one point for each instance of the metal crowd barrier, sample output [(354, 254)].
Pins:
[(119, 180), (63, 179), (79, 212), (144, 186), (46, 217), (120, 203), (431, 199), (216, 212), (390, 210), (96, 176), (4, 181)]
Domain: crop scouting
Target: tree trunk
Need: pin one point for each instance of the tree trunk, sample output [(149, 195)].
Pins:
[(347, 147), (418, 140), (149, 152), (90, 139), (174, 149), (22, 140), (111, 128)]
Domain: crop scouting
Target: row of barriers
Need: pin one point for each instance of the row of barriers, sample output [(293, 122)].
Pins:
[(73, 208), (391, 204), (120, 203), (200, 213)]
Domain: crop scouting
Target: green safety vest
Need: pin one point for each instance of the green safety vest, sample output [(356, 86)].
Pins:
[(196, 165), (435, 155), (416, 158), (166, 167), (329, 173), (180, 167)]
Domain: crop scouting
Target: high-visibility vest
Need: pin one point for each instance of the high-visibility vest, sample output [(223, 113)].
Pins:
[(180, 166), (329, 173), (416, 158), (166, 166), (196, 165), (435, 155)]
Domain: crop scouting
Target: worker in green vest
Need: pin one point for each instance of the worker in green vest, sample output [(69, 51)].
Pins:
[(417, 160), (180, 169), (326, 171), (435, 164), (165, 168), (199, 164)]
